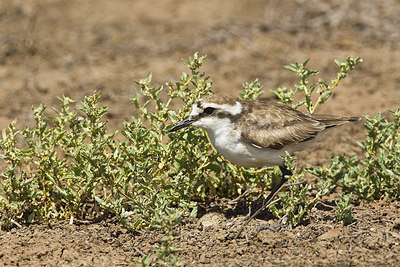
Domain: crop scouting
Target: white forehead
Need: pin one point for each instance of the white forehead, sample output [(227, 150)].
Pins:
[(232, 109), (196, 110)]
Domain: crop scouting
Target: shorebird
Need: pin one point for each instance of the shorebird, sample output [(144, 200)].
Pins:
[(257, 133)]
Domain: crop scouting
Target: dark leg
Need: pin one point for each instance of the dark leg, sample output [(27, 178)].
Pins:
[(285, 172), (267, 201)]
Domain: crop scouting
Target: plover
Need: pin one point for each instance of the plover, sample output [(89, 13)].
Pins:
[(257, 133)]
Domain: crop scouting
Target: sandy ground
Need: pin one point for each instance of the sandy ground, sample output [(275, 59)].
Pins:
[(54, 48)]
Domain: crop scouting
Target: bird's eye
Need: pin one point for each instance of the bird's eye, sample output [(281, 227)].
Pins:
[(209, 110)]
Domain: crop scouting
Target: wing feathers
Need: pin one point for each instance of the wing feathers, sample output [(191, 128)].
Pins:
[(267, 124)]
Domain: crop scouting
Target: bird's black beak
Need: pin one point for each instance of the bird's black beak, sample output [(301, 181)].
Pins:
[(186, 122)]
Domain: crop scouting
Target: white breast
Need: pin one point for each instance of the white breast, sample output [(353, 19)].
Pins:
[(227, 141)]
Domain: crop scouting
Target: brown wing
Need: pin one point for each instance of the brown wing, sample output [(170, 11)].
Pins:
[(269, 124)]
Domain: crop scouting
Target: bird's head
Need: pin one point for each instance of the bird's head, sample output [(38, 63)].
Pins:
[(210, 112)]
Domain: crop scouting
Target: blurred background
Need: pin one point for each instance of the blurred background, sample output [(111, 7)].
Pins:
[(51, 48)]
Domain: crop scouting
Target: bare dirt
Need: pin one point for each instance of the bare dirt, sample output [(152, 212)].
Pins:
[(59, 47)]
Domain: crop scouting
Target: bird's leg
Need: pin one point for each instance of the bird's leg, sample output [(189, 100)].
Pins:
[(277, 188), (267, 201)]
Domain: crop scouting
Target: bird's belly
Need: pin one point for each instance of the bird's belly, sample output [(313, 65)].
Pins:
[(244, 154), (251, 158)]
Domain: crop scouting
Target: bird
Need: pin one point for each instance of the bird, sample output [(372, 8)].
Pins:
[(257, 133)]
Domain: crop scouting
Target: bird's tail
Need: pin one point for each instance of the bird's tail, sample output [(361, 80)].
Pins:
[(332, 120)]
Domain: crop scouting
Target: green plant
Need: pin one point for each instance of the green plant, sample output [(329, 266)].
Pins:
[(344, 211), (53, 168), (293, 203), (165, 252), (369, 177), (377, 173), (296, 201), (324, 89)]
